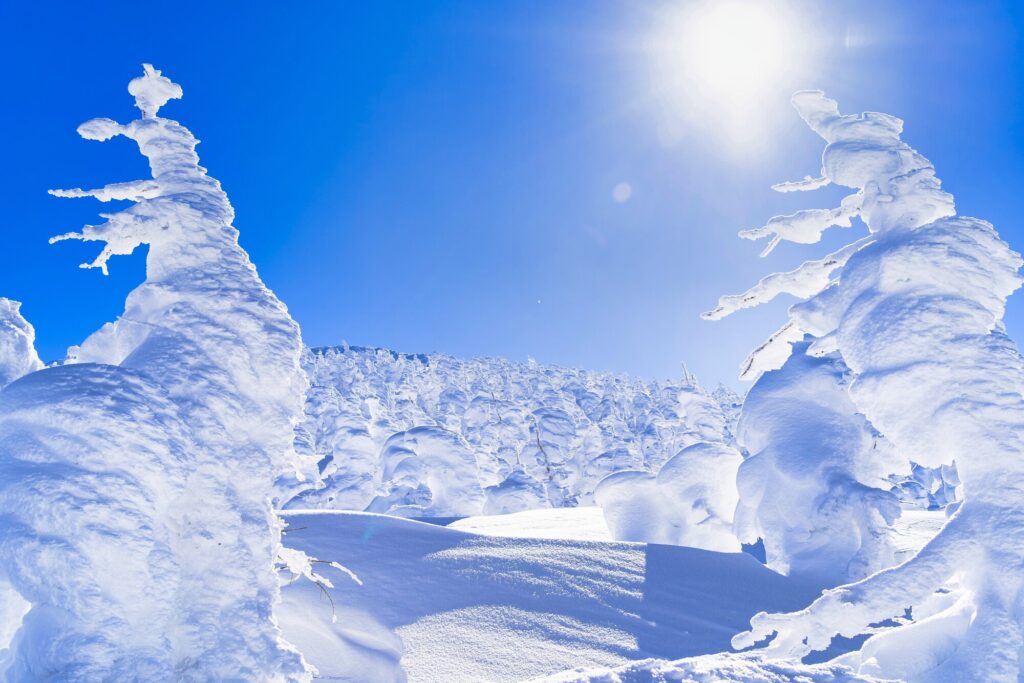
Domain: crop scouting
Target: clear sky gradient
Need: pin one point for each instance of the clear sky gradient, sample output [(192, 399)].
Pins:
[(441, 176)]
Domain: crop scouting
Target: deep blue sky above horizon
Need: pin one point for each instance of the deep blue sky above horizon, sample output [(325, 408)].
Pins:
[(441, 176)]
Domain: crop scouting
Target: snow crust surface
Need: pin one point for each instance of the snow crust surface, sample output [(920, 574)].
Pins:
[(439, 604), (547, 592)]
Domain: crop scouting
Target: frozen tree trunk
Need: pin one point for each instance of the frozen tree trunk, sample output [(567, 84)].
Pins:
[(915, 312), (941, 379), (137, 479)]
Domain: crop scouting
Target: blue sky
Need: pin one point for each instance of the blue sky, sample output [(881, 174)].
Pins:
[(440, 176)]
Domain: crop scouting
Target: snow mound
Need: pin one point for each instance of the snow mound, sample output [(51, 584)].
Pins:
[(438, 604), (570, 524)]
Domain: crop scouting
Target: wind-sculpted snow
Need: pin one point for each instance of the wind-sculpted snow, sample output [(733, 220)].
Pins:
[(915, 314), (17, 343), (813, 488), (690, 501), (430, 472), (441, 605), (18, 357), (509, 437), (137, 478)]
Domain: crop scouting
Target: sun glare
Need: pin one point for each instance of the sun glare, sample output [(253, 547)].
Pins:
[(718, 60), (733, 47)]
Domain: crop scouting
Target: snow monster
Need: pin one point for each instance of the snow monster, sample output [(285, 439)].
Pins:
[(914, 310), (137, 478)]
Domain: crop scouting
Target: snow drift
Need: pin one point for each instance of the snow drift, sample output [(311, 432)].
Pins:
[(438, 604)]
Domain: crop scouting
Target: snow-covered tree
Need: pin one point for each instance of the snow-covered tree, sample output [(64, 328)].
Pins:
[(915, 309), (428, 472), (690, 501), (17, 343), (814, 488), (691, 498), (136, 480), (18, 357), (541, 435)]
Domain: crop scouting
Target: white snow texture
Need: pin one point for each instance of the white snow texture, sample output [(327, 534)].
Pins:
[(914, 312), (139, 477), (428, 435), (18, 355), (136, 479)]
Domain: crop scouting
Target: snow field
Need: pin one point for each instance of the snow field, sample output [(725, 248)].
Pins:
[(440, 604)]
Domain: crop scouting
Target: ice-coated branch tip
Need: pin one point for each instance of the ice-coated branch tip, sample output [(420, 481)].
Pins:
[(807, 226), (134, 190), (101, 129), (805, 185), (153, 90), (65, 236), (803, 282)]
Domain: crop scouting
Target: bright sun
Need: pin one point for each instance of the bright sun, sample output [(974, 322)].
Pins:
[(733, 47), (718, 60)]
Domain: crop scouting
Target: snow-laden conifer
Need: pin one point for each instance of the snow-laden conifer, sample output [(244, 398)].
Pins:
[(540, 435), (136, 480), (915, 312), (814, 488)]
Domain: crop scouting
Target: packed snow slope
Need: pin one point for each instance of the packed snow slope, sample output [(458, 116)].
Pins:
[(508, 436), (437, 604)]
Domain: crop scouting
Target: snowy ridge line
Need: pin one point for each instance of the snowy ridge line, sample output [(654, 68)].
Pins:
[(341, 348), (425, 358)]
